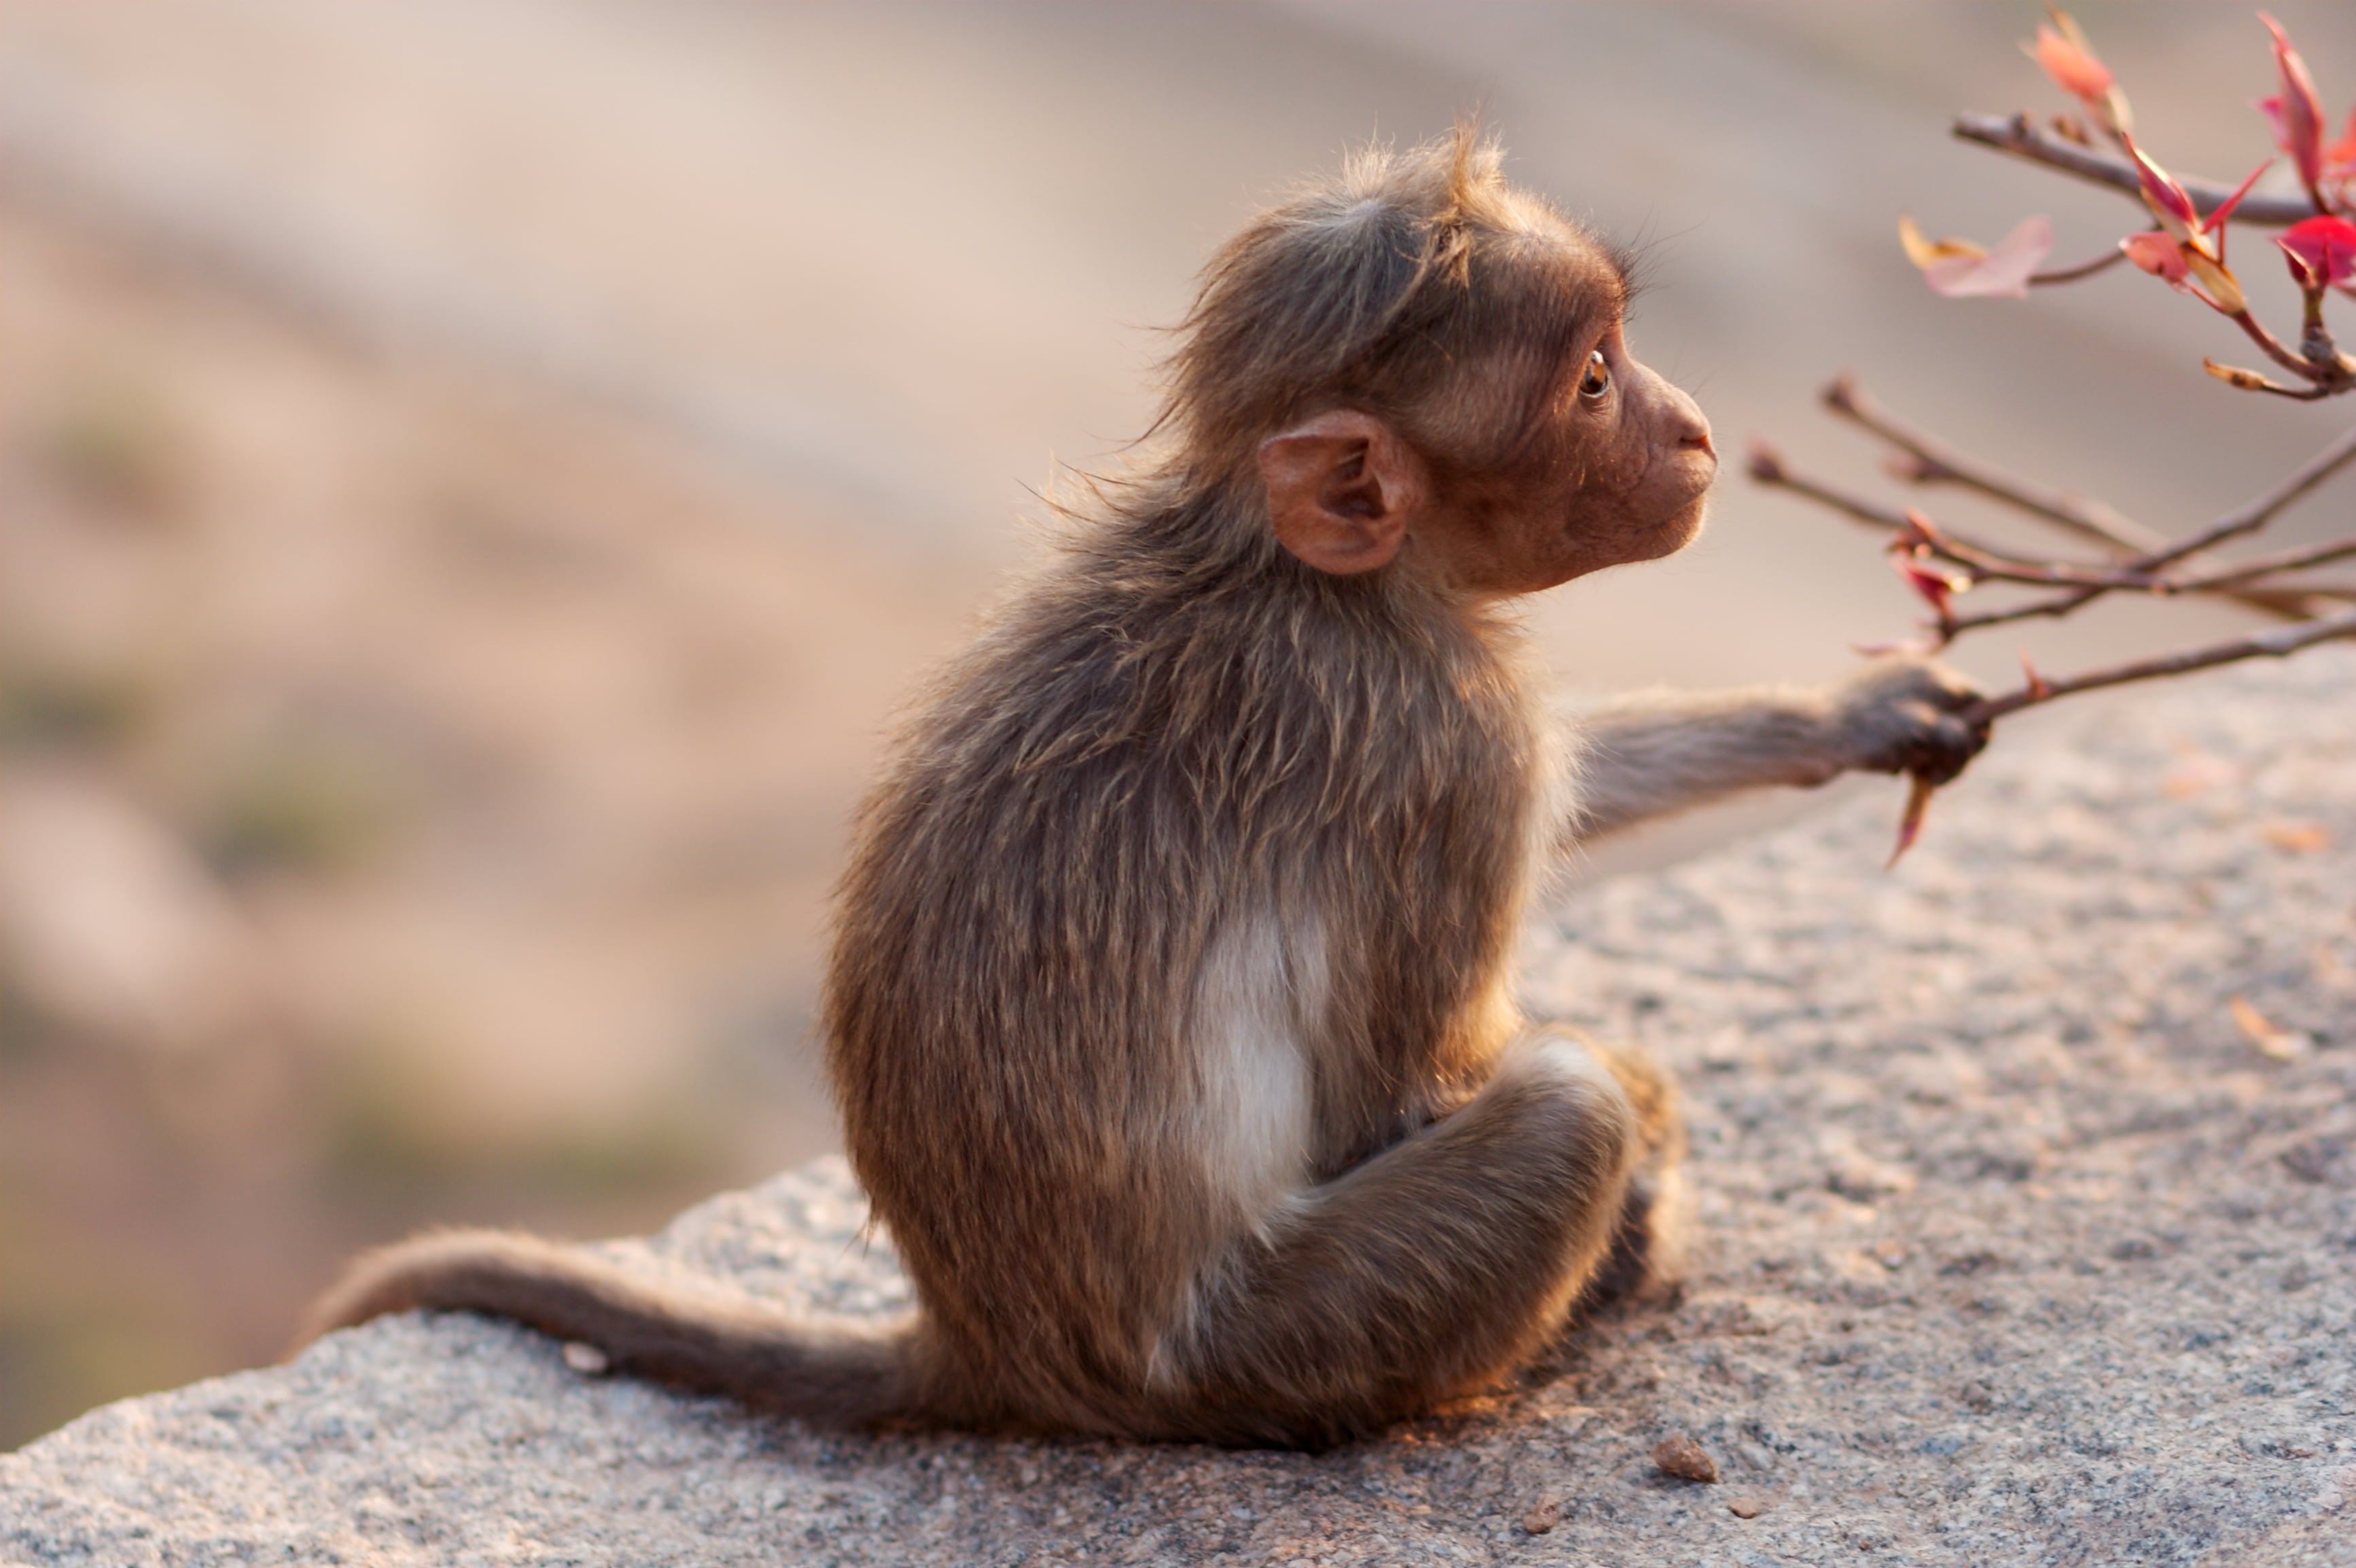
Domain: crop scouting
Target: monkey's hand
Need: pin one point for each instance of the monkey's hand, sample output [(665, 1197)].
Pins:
[(1905, 714)]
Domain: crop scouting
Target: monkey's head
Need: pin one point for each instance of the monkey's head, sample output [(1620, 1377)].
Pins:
[(1417, 364)]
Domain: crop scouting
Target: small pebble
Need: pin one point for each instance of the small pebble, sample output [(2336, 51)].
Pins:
[(2297, 838), (1685, 1459), (1743, 1507), (586, 1360), (1543, 1517)]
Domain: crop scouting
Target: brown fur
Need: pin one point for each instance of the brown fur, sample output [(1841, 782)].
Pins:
[(1169, 1012)]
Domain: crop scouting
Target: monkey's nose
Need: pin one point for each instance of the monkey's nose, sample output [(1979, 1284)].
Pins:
[(1683, 419)]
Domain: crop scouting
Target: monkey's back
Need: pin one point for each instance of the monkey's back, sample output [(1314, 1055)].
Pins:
[(1111, 781)]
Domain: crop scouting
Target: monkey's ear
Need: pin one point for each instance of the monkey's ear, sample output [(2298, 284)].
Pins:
[(1341, 490)]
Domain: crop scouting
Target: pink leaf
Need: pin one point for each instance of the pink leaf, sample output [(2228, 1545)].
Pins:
[(2002, 273), (2185, 267), (2298, 114), (2158, 255), (2062, 52)]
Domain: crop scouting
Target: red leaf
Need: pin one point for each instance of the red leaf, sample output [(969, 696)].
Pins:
[(2322, 251), (2215, 222), (2165, 196), (2298, 112), (1938, 589)]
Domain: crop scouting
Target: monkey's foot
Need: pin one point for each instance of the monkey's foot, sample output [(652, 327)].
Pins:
[(1647, 1254), (1660, 1122)]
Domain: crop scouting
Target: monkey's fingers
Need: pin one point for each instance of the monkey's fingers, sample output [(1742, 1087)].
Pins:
[(1942, 747)]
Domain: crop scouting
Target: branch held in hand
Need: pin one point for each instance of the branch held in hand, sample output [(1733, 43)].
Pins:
[(2185, 247)]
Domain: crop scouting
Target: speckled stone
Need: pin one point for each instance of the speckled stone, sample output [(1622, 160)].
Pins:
[(2017, 1246)]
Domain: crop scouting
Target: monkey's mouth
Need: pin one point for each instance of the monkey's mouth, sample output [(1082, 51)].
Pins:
[(1682, 526), (1681, 478)]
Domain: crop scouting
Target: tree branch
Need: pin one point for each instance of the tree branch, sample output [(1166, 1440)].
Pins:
[(2101, 264), (1932, 460), (2251, 381), (2262, 511), (1768, 468), (2257, 567), (2328, 376), (2019, 135), (1937, 462), (2240, 581), (2278, 642)]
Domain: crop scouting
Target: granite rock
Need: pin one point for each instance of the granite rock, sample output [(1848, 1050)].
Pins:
[(2026, 1234)]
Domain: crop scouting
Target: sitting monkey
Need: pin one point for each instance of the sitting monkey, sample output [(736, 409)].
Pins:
[(1169, 1010)]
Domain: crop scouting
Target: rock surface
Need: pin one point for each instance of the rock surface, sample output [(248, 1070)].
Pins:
[(2026, 1183)]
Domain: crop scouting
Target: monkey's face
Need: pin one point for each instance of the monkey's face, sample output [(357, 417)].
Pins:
[(1615, 469), (1620, 472)]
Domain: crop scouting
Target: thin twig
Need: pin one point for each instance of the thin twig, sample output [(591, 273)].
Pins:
[(1995, 566), (2238, 580), (2054, 608), (1935, 462), (2276, 643), (2251, 381), (1768, 467), (2261, 511), (2258, 566), (2018, 134), (2245, 520), (1985, 566), (2029, 611), (2334, 373), (2101, 264)]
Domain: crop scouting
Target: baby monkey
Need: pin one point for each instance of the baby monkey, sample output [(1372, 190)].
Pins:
[(1170, 1010)]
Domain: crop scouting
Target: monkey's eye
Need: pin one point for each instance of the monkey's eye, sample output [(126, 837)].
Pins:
[(1596, 381)]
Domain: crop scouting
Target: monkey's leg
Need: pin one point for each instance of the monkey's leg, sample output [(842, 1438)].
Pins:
[(1433, 1268)]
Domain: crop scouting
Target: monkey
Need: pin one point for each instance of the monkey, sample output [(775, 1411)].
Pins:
[(1170, 1011)]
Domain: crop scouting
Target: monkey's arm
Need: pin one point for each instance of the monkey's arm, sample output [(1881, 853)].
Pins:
[(1658, 752)]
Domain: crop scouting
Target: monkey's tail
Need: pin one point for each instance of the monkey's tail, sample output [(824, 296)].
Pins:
[(704, 1342)]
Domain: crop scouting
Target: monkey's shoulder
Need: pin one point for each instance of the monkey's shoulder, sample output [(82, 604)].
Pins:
[(1097, 703)]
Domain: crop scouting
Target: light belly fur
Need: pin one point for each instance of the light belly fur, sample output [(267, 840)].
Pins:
[(1260, 997)]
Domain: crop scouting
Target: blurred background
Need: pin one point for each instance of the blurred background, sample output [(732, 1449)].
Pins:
[(477, 474)]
